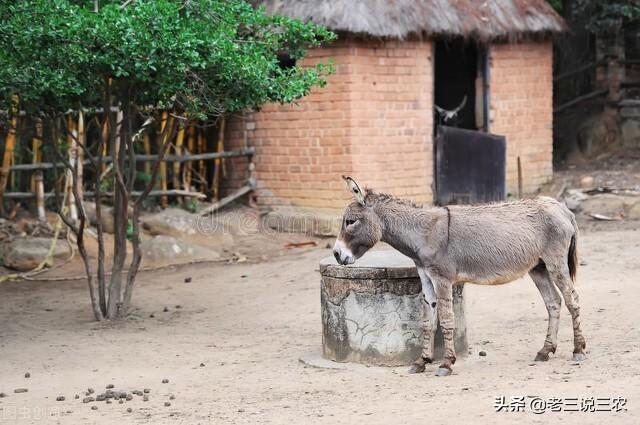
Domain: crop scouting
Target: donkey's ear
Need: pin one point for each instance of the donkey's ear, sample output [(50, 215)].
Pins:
[(355, 190)]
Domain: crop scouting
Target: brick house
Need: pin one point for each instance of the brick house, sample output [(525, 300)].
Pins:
[(394, 61)]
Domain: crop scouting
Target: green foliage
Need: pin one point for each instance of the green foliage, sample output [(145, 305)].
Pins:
[(204, 57), (192, 205), (43, 55), (143, 177), (556, 4), (608, 16), (129, 230)]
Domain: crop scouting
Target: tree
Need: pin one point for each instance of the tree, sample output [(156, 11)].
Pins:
[(603, 16), (197, 59)]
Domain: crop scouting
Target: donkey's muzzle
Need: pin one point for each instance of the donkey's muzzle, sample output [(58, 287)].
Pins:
[(342, 253)]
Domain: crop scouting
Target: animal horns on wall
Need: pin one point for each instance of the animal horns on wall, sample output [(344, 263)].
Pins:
[(358, 194)]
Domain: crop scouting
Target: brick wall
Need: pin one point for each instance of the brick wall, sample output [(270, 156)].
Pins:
[(521, 108), (372, 121), (391, 117)]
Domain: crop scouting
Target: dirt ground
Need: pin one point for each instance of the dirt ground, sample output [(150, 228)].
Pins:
[(616, 169), (231, 349)]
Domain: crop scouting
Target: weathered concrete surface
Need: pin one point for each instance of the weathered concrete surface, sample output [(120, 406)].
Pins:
[(372, 311)]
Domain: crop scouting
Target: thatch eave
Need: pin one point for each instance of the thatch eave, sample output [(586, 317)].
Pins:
[(481, 20)]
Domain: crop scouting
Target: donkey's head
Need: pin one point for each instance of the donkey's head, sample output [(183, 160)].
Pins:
[(361, 228)]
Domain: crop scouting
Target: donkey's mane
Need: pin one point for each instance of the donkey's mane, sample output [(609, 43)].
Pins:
[(385, 198)]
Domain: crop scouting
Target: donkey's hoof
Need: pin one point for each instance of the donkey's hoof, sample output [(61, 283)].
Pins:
[(443, 371), (416, 368), (542, 357), (579, 357)]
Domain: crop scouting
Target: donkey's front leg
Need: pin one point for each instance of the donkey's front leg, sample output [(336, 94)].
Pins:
[(444, 295), (429, 323)]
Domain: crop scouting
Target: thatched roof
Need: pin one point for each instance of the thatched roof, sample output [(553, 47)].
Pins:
[(480, 19)]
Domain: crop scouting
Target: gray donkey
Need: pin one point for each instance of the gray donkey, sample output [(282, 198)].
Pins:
[(483, 244)]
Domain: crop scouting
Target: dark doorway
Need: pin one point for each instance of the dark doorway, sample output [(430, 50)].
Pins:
[(469, 162), (470, 166), (460, 74)]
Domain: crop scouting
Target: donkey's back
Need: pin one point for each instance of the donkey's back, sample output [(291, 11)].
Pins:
[(497, 243)]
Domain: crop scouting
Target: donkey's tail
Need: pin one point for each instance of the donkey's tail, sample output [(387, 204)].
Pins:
[(573, 249), (573, 258)]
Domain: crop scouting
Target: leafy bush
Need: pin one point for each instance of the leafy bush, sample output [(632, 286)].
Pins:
[(199, 58)]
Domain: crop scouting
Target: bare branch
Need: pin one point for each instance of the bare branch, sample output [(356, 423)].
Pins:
[(126, 3)]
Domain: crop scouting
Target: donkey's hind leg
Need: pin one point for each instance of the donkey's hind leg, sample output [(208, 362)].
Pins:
[(553, 302), (560, 275)]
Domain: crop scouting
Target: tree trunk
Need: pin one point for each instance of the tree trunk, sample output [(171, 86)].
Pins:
[(119, 150), (166, 136), (76, 227), (81, 142), (72, 143)]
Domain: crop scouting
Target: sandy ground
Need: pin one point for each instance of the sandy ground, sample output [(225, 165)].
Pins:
[(231, 351)]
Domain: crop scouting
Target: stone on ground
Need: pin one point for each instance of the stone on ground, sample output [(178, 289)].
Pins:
[(587, 182), (185, 225), (608, 204), (24, 254), (162, 250), (573, 198), (634, 212), (106, 216), (631, 133)]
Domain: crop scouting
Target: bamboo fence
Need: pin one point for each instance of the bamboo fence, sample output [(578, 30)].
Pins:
[(194, 172)]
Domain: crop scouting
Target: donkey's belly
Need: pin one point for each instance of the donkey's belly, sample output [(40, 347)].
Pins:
[(488, 280), (496, 275)]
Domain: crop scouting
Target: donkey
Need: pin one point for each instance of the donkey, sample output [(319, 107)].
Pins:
[(484, 244)]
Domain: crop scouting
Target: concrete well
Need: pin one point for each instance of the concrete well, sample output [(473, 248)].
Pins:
[(372, 311)]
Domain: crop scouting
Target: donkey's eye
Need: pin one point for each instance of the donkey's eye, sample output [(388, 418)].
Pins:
[(349, 222)]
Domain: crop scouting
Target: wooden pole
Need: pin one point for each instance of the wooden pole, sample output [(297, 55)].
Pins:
[(105, 140), (164, 202), (9, 146), (12, 176), (146, 145), (191, 141), (40, 196), (202, 148), (519, 179), (36, 151), (217, 172), (176, 164), (143, 158)]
